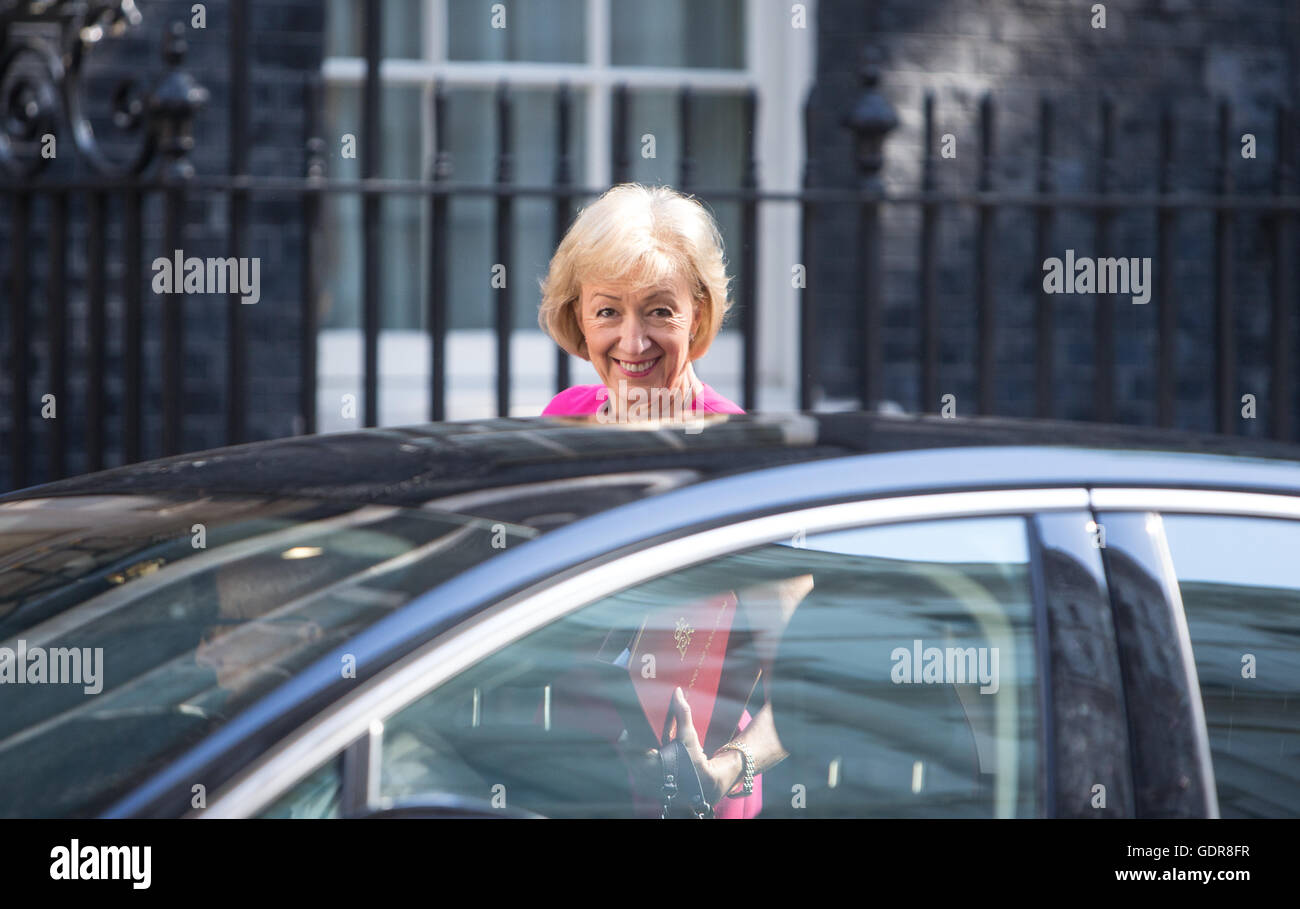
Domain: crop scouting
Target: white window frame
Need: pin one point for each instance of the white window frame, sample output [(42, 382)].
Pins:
[(780, 63)]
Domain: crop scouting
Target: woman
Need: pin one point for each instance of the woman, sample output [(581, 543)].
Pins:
[(638, 287)]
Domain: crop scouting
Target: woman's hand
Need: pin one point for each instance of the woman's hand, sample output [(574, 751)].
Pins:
[(717, 774)]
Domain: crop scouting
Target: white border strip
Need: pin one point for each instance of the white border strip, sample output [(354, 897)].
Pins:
[(1206, 501), (489, 631), (489, 74)]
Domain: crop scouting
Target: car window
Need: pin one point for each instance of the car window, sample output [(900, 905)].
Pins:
[(131, 627), (897, 663), (317, 795), (1240, 587), (906, 683)]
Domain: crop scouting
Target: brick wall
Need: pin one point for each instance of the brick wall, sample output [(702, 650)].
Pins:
[(1185, 52)]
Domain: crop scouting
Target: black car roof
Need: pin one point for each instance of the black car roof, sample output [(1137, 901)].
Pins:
[(413, 465)]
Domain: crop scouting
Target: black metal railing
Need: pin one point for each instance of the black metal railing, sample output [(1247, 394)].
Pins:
[(164, 118), (42, 48)]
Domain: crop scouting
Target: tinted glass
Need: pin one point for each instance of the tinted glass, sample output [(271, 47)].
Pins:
[(544, 31), (906, 683), (318, 795), (406, 154), (403, 24), (1240, 587), (679, 33), (897, 662), (131, 627)]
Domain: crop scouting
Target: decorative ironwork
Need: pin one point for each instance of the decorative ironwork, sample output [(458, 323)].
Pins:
[(173, 105), (871, 120), (43, 46)]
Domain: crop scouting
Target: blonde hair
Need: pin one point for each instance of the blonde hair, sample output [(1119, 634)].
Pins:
[(650, 234)]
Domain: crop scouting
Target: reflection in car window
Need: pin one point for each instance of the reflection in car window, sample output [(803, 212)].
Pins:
[(905, 684), (317, 795), (560, 722), (153, 622), (1240, 588)]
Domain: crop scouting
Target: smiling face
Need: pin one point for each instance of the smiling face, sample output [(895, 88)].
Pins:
[(639, 335)]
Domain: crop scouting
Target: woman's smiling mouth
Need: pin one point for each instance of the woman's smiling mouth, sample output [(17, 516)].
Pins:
[(637, 369)]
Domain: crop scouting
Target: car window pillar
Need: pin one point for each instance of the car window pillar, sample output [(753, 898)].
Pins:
[(1172, 773), (1087, 764)]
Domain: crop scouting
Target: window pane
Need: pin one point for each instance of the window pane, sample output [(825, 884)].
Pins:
[(403, 26), (343, 28), (562, 721), (404, 220), (319, 795), (906, 683), (472, 141), (153, 641), (718, 138), (540, 31), (1241, 592), (678, 33)]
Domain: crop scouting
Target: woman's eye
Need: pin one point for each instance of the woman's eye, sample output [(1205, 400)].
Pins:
[(604, 311)]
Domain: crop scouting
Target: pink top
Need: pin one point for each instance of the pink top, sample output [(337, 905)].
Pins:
[(587, 399)]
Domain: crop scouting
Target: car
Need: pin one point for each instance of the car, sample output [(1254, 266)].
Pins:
[(943, 618)]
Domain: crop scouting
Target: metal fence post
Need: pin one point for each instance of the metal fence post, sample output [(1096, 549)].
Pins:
[(871, 119), (314, 173), (172, 108)]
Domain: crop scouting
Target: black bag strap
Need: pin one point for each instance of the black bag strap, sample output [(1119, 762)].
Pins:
[(683, 793)]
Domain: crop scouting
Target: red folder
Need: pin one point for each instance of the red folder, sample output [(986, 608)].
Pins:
[(688, 643)]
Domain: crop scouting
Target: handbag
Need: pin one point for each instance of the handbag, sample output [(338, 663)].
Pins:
[(683, 793)]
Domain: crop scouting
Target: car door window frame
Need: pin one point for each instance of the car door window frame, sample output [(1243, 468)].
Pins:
[(1135, 512), (497, 626), (1087, 769)]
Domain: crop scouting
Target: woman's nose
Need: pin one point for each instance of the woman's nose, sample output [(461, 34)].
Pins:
[(633, 338)]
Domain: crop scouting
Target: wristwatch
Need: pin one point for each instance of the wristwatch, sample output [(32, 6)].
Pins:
[(748, 782)]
